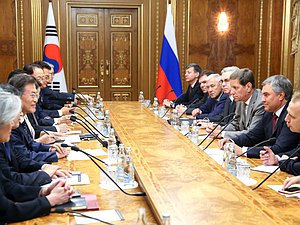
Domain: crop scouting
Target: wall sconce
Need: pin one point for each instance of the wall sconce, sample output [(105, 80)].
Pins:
[(223, 22)]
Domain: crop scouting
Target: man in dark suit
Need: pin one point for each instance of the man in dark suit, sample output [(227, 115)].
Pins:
[(202, 82), (21, 138), (276, 93), (214, 106), (292, 120), (194, 91), (18, 202)]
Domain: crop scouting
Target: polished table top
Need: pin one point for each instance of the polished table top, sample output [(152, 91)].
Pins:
[(178, 178)]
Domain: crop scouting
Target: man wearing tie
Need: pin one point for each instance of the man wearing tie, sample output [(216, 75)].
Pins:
[(276, 91)]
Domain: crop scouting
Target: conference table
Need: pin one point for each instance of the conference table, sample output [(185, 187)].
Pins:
[(178, 178)]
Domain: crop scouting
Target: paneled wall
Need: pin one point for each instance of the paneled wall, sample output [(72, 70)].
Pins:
[(258, 37)]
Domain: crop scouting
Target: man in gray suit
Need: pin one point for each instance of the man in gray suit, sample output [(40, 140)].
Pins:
[(249, 107)]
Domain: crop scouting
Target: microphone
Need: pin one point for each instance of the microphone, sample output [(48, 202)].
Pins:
[(154, 94), (258, 144), (285, 162), (75, 105), (171, 105), (55, 210), (72, 111), (74, 148), (189, 106), (225, 117), (166, 95), (86, 127), (214, 138)]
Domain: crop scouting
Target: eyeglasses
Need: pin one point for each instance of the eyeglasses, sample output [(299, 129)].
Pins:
[(34, 96)]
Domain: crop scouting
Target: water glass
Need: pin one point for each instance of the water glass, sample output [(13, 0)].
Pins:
[(185, 126), (243, 170)]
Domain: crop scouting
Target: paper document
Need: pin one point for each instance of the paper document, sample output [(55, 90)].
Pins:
[(83, 179), (280, 186), (216, 154), (73, 132), (72, 139), (104, 215), (265, 169), (80, 156)]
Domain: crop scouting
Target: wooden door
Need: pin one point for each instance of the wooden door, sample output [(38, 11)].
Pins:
[(104, 49)]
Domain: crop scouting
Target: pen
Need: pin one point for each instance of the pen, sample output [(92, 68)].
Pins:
[(46, 132)]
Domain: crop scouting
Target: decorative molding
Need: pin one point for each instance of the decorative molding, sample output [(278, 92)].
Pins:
[(121, 96), (183, 66), (270, 37), (36, 24), (8, 48), (118, 20), (156, 40), (286, 28), (260, 41), (87, 57), (121, 59), (86, 20), (20, 33)]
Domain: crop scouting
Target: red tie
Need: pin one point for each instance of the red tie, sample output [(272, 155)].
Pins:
[(274, 121)]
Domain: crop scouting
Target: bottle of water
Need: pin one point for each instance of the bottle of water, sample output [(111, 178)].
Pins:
[(155, 106), (175, 119), (107, 124), (141, 217), (128, 167), (111, 137), (194, 132), (112, 152), (166, 218), (120, 164), (229, 158), (101, 109), (98, 97), (141, 97)]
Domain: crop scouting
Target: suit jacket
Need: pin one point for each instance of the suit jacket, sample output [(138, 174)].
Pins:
[(53, 99), (197, 104), (24, 144), (285, 139), (190, 95), (241, 123), (20, 169), (213, 108), (229, 107), (37, 127), (18, 202)]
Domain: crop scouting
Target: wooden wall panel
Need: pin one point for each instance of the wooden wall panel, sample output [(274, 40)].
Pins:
[(8, 38)]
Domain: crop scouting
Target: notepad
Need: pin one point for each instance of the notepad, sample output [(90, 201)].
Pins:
[(265, 169), (104, 215), (80, 156), (84, 180), (77, 203)]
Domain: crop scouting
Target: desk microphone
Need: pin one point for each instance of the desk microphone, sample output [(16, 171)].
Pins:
[(74, 148), (258, 144), (214, 138), (95, 128), (225, 117), (78, 106), (285, 162), (56, 210), (154, 94), (86, 127), (166, 95), (189, 106), (171, 106)]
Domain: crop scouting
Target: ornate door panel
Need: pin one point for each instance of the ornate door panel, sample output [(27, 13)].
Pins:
[(104, 52)]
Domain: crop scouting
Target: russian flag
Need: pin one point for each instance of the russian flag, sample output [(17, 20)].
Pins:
[(169, 72), (52, 51)]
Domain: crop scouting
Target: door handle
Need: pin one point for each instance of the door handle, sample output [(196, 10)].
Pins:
[(102, 68), (107, 68)]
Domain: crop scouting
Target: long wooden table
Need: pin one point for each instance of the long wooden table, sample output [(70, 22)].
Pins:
[(178, 178), (181, 179)]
